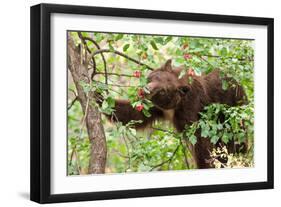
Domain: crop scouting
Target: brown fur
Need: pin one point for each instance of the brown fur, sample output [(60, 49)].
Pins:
[(185, 100), (124, 113)]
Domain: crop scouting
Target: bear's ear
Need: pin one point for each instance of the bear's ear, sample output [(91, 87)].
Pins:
[(168, 65), (183, 90)]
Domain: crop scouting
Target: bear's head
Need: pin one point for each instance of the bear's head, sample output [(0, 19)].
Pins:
[(165, 87)]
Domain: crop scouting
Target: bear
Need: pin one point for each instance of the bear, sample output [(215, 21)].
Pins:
[(180, 101)]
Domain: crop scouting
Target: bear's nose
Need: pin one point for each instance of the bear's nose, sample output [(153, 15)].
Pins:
[(151, 86)]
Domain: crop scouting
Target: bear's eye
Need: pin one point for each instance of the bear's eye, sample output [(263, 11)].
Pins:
[(183, 90), (157, 78)]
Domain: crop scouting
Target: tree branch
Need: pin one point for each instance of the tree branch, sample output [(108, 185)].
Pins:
[(181, 144), (168, 160), (102, 56), (88, 49), (120, 54), (72, 102), (79, 72), (217, 56), (240, 59), (202, 58), (116, 74), (117, 85), (185, 156)]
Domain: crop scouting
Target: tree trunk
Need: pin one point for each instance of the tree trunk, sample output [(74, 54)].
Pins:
[(92, 116)]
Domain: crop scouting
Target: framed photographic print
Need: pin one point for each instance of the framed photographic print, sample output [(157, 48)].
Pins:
[(132, 103)]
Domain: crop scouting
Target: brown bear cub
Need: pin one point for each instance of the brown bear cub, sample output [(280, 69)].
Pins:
[(178, 100)]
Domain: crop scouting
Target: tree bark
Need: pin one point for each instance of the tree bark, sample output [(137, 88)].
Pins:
[(92, 116)]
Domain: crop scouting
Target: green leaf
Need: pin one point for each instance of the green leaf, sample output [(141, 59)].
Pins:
[(104, 105), (111, 102), (136, 103), (179, 61), (125, 47), (146, 113), (204, 133), (98, 37), (182, 73), (223, 51), (193, 139), (197, 49), (153, 44), (197, 70), (219, 126), (214, 139), (108, 105), (110, 47), (224, 85), (131, 91), (159, 40), (89, 43), (194, 44), (119, 37), (168, 39), (133, 131), (143, 81), (225, 138)]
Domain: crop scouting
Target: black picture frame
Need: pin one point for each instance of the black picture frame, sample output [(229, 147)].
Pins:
[(41, 99)]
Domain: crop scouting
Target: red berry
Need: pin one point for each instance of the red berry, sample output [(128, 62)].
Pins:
[(137, 74), (140, 93), (191, 72), (187, 56), (139, 107)]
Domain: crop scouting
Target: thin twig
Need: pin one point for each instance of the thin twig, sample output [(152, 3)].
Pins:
[(77, 159), (168, 160), (71, 155), (77, 162), (240, 59), (102, 56), (116, 74), (72, 102), (128, 152), (206, 61), (183, 148), (217, 56), (120, 54), (73, 91), (120, 88), (117, 85), (119, 153), (88, 49), (84, 117), (185, 156)]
